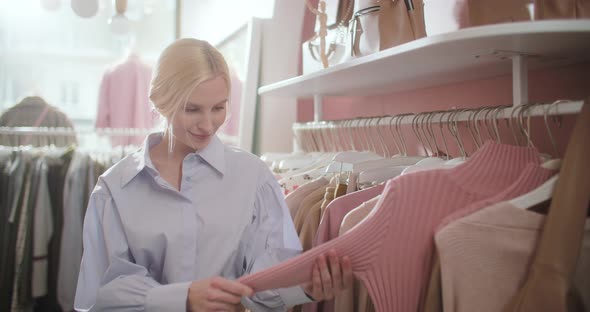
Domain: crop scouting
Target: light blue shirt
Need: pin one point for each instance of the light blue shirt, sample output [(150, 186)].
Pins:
[(145, 241)]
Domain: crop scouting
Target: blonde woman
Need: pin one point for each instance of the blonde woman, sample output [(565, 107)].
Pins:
[(170, 227)]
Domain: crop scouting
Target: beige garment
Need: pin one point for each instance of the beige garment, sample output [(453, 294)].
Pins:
[(312, 220), (357, 215), (295, 198), (357, 297), (433, 297), (550, 274), (35, 112), (339, 191), (308, 202), (485, 257)]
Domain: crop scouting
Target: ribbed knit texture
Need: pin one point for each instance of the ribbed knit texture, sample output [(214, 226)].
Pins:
[(390, 252), (330, 226)]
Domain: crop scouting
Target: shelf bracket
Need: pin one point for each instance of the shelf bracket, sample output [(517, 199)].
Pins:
[(520, 72), (520, 80), (318, 102)]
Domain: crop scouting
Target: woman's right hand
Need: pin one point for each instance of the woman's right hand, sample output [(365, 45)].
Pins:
[(216, 294)]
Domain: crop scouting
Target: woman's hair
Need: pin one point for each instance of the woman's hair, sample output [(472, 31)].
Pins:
[(182, 66)]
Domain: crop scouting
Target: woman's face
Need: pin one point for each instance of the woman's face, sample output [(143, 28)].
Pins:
[(196, 123)]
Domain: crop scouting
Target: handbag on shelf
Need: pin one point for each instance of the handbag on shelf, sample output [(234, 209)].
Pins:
[(377, 25), (335, 46), (338, 14), (484, 12), (559, 9), (442, 16)]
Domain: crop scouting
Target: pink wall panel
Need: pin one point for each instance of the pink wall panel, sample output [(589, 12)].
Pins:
[(570, 82)]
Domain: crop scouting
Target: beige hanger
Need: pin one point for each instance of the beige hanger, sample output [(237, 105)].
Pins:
[(417, 133), (442, 134), (549, 132), (384, 147), (393, 137)]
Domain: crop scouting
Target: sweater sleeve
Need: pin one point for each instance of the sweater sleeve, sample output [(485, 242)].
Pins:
[(103, 112)]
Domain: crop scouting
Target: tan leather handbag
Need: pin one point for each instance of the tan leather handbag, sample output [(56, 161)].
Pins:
[(484, 12), (380, 24), (556, 9), (400, 22)]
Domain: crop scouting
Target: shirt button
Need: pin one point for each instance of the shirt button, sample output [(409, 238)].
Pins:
[(187, 178)]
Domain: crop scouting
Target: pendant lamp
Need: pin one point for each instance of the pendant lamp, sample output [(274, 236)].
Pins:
[(85, 8)]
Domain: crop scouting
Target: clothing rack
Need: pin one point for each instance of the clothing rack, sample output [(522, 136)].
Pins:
[(61, 131), (109, 132), (339, 135), (560, 107)]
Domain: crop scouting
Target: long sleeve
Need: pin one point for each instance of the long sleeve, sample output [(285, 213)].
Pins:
[(103, 112), (109, 279), (270, 239)]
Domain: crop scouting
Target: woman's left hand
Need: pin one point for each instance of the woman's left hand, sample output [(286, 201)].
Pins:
[(331, 275)]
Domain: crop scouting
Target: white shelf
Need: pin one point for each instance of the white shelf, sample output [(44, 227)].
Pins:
[(446, 58)]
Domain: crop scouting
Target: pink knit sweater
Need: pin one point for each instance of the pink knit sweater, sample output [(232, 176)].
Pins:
[(391, 251)]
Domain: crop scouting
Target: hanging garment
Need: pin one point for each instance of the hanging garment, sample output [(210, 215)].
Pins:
[(314, 198), (123, 99), (56, 176), (330, 225), (74, 199), (336, 210), (356, 298), (294, 199), (14, 176), (290, 184), (42, 233), (312, 219), (406, 219), (485, 257), (33, 111)]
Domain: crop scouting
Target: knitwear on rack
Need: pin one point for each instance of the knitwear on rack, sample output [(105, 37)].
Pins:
[(390, 252)]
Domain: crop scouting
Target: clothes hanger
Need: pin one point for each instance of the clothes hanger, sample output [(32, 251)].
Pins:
[(429, 161), (354, 156), (537, 196), (454, 130), (384, 147), (555, 163), (396, 160)]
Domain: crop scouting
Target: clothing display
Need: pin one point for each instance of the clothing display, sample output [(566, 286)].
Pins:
[(38, 245), (294, 199), (500, 238), (123, 99), (142, 171), (401, 211)]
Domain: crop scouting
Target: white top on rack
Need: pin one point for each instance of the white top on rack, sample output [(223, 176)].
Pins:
[(467, 54)]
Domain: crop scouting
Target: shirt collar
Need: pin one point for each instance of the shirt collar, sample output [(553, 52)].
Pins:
[(213, 155)]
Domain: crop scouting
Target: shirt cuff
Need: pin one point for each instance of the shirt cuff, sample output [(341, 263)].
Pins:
[(293, 296), (171, 297)]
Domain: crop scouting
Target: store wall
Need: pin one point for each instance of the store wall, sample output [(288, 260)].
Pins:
[(208, 20)]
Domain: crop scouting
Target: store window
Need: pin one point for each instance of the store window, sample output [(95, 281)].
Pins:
[(47, 49)]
